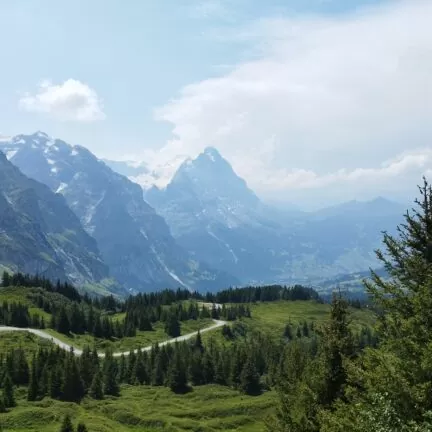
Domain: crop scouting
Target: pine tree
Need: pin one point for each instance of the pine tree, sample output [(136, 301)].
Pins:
[(395, 376), (8, 392), (55, 383), (33, 388), (337, 345), (172, 326), (249, 378), (67, 425), (195, 369), (198, 345), (81, 428), (73, 386), (176, 377), (141, 370), (288, 332), (62, 322), (96, 388), (2, 405), (5, 279), (157, 378), (110, 383), (305, 329), (21, 375)]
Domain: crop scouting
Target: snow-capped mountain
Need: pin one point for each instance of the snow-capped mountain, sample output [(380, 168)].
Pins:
[(213, 214), (39, 234), (135, 242)]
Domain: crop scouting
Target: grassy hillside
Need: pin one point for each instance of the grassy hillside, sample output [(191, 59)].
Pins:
[(273, 316), (143, 338), (206, 408), (146, 409)]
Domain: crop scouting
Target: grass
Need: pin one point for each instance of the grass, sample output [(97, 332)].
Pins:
[(275, 315), (142, 339), (207, 408), (28, 341)]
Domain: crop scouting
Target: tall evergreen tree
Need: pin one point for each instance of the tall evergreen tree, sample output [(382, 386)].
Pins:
[(176, 377), (111, 386), (33, 388), (73, 386), (8, 392), (249, 378), (55, 382), (395, 378), (96, 388)]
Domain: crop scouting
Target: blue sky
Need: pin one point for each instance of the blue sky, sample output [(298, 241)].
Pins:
[(142, 76)]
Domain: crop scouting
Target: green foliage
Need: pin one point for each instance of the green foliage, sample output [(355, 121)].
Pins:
[(96, 388), (177, 378), (390, 386), (67, 425), (8, 392), (250, 379)]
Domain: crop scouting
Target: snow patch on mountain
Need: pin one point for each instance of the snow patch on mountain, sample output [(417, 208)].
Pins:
[(167, 270), (235, 257)]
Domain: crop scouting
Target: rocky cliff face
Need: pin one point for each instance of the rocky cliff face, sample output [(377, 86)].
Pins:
[(40, 234)]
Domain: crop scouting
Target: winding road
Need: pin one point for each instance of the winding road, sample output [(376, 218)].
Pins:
[(78, 352)]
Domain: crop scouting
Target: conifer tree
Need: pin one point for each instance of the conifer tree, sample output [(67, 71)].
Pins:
[(249, 378), (288, 332), (172, 326), (33, 388), (62, 322), (96, 388), (73, 387), (86, 367), (176, 377), (157, 378), (67, 425), (2, 405), (140, 371), (5, 279), (196, 369), (110, 383), (81, 428), (8, 392), (198, 345), (55, 382)]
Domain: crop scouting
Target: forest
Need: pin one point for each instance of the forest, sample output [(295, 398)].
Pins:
[(327, 376)]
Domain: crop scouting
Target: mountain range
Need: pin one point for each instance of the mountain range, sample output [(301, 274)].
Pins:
[(206, 229), (213, 214), (134, 241)]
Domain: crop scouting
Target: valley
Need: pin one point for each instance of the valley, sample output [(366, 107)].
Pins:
[(205, 230)]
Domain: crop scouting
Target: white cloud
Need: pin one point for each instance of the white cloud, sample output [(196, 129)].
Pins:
[(69, 101), (325, 100)]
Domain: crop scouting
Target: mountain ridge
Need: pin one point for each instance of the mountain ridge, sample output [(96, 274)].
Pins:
[(40, 234), (134, 240)]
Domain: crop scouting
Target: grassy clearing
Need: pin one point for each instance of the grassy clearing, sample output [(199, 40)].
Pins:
[(273, 317), (208, 408)]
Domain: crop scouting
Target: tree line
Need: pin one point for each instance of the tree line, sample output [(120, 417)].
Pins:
[(253, 294)]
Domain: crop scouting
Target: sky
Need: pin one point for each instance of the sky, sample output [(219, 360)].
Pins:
[(313, 102)]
